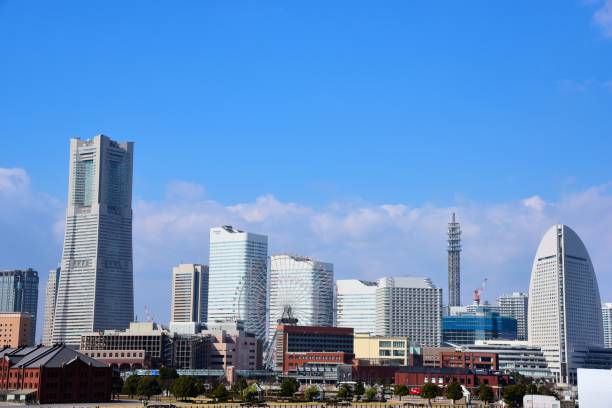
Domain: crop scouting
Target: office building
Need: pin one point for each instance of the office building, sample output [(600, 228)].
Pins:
[(356, 305), (189, 293), (231, 346), (469, 359), (379, 350), (483, 324), (409, 307), (16, 329), (95, 290), (300, 345), (516, 306), (19, 293), (238, 278), (305, 287), (606, 314), (50, 301), (52, 375), (454, 262), (564, 315)]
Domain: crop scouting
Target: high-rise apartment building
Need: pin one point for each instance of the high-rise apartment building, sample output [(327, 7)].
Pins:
[(238, 278), (96, 284), (564, 304), (19, 293), (50, 301), (606, 314), (409, 306), (516, 306), (356, 305), (454, 262), (304, 286), (189, 293)]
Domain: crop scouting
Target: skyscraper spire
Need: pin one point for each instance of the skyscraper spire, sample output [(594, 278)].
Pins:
[(454, 262)]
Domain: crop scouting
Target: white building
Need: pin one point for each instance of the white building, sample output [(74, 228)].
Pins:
[(96, 284), (564, 305), (189, 293), (606, 314), (50, 300), (409, 306), (516, 306), (304, 285), (238, 278), (356, 305)]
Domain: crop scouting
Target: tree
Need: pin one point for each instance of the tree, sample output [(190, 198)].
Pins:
[(166, 377), (184, 387), (250, 393), (531, 389), (344, 392), (220, 393), (359, 389), (311, 393), (130, 386), (513, 394), (289, 387), (453, 392), (485, 394), (370, 393), (238, 386), (148, 386), (117, 386), (429, 392), (400, 390)]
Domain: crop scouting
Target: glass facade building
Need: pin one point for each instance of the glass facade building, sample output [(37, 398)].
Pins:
[(238, 278), (19, 293), (468, 328), (516, 305)]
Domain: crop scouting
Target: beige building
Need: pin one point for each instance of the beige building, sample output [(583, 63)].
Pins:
[(383, 350), (16, 329)]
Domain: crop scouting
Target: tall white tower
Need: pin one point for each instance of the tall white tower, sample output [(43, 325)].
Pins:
[(454, 262), (238, 278), (96, 284), (564, 305), (304, 285), (189, 293)]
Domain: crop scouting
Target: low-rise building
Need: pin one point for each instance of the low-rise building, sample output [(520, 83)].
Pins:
[(467, 359), (52, 375), (16, 329), (298, 345), (427, 356), (381, 350)]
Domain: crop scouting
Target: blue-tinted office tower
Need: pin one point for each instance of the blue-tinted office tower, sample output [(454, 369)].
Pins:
[(19, 293), (482, 324)]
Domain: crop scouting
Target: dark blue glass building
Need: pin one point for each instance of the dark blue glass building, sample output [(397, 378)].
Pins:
[(483, 324)]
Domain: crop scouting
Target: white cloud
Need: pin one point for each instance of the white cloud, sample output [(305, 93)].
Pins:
[(603, 18), (362, 240)]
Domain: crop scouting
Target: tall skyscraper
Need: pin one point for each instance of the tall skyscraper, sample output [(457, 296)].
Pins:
[(50, 301), (606, 314), (304, 285), (515, 305), (190, 293), (96, 284), (238, 278), (564, 305), (356, 305), (409, 306), (454, 262), (19, 293)]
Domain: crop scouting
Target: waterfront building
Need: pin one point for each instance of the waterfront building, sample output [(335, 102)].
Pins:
[(564, 317), (238, 278), (95, 290), (50, 301), (356, 305), (19, 294), (454, 262), (515, 305), (189, 293), (409, 307), (483, 324), (303, 286)]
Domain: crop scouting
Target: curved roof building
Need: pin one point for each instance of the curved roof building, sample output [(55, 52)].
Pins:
[(564, 306)]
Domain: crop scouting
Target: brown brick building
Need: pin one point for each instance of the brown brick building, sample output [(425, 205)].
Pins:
[(468, 359), (16, 329), (51, 375)]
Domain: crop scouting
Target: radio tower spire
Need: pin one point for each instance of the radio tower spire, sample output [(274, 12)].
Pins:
[(454, 262)]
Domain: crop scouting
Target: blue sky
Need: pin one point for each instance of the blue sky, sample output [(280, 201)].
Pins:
[(318, 123)]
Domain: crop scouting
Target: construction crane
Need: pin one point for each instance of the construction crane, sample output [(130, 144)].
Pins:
[(478, 292)]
